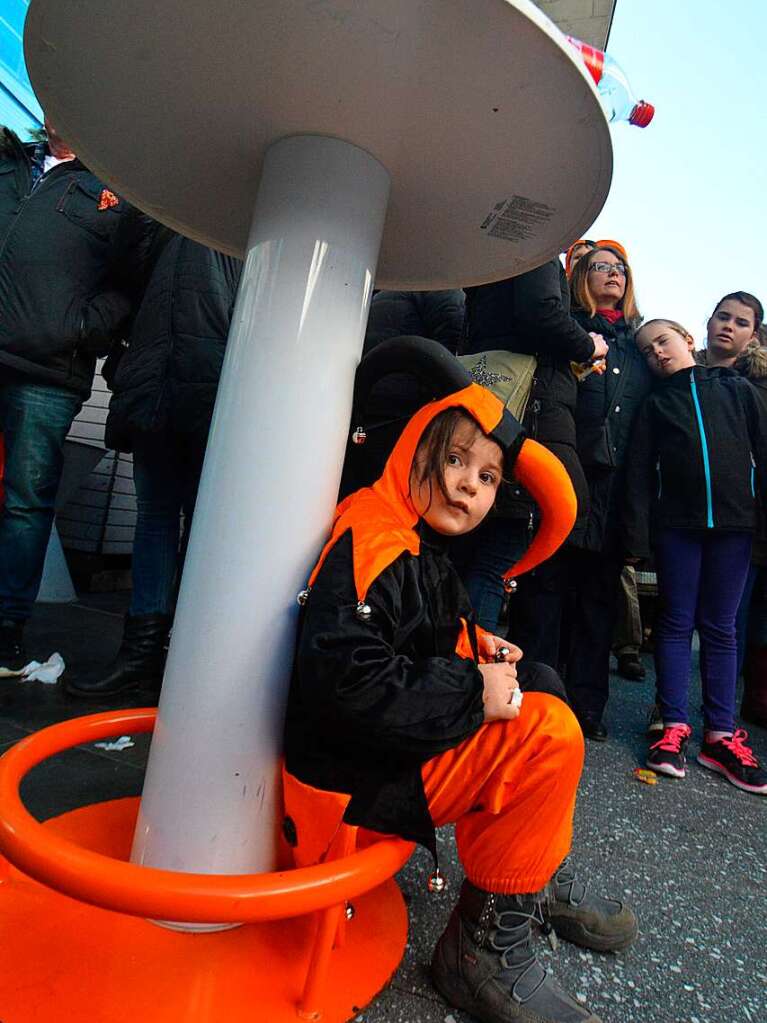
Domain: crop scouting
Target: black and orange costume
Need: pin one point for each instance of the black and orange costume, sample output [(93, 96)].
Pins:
[(386, 711), (386, 701)]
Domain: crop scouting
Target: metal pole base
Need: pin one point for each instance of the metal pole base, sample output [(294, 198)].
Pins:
[(63, 959)]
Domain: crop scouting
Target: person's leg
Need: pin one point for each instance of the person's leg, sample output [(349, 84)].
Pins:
[(535, 611), (34, 421), (140, 660), (510, 789), (725, 567), (595, 581), (490, 551), (190, 454), (743, 617), (158, 485), (678, 557), (514, 818), (754, 705), (627, 638)]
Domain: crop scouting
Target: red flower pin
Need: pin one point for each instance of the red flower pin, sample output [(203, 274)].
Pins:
[(107, 200)]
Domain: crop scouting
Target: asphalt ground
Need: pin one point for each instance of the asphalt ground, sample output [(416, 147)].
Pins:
[(689, 855)]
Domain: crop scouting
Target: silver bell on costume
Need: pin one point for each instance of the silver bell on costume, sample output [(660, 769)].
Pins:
[(363, 611), (436, 884)]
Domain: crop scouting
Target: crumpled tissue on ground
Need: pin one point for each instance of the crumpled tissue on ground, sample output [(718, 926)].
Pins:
[(118, 745), (48, 672)]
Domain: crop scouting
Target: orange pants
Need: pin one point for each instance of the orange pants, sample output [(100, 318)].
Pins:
[(510, 790)]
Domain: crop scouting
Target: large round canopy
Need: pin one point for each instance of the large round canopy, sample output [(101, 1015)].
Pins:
[(498, 150)]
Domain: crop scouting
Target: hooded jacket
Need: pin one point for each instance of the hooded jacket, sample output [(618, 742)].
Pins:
[(71, 264), (167, 378), (605, 411), (531, 314), (697, 454), (752, 364), (386, 672)]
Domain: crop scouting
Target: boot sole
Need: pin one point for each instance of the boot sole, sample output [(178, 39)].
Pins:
[(713, 765), (91, 694), (458, 997), (577, 934)]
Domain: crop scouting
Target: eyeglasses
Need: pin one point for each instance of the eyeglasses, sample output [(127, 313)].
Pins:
[(606, 268)]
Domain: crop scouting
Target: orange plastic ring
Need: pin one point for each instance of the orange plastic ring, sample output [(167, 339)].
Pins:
[(164, 894)]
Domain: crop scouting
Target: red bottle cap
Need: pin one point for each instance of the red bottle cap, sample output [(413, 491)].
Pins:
[(642, 114)]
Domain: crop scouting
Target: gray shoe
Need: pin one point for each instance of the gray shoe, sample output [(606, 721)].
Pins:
[(586, 919), (485, 965)]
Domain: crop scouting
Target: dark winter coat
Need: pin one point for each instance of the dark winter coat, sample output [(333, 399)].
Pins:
[(605, 410), (752, 364), (167, 378), (531, 314), (696, 444), (69, 270), (434, 314)]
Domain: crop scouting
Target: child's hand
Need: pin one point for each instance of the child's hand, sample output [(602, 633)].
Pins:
[(500, 682), (491, 647)]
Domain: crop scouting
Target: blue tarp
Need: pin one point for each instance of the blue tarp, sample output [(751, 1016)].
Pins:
[(18, 107)]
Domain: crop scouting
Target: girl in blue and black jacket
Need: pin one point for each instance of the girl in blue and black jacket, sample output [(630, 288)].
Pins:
[(697, 455)]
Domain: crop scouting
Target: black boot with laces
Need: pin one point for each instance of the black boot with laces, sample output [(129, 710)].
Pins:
[(485, 965), (585, 918)]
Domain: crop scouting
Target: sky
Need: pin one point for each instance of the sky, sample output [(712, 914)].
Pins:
[(689, 192)]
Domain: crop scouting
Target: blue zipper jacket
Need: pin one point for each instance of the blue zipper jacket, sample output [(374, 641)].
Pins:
[(696, 458)]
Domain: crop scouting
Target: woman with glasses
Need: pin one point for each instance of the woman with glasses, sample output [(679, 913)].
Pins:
[(603, 303), (529, 315)]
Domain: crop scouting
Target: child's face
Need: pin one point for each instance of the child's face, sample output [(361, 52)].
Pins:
[(730, 328), (472, 476), (665, 349)]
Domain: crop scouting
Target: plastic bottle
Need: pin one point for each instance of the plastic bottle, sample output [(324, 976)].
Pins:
[(618, 101)]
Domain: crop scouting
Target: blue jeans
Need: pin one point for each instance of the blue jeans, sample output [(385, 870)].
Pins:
[(481, 559), (701, 576), (166, 473), (34, 421)]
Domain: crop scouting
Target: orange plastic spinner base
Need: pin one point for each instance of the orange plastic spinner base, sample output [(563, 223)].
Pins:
[(65, 960)]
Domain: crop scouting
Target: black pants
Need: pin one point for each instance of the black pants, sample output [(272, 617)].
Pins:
[(589, 621), (536, 609)]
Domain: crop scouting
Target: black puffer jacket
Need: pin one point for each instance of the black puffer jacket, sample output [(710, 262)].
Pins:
[(604, 414), (434, 314), (697, 443), (167, 378), (71, 266), (531, 314)]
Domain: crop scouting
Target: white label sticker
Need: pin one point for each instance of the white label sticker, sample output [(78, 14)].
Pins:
[(517, 219)]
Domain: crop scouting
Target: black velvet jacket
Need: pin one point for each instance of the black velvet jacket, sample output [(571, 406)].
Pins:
[(371, 701)]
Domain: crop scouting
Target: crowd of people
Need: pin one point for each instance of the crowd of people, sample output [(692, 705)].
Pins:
[(409, 643)]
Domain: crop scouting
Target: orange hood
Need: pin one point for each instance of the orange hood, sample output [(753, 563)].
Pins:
[(382, 517)]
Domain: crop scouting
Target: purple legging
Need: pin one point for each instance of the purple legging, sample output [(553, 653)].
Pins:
[(701, 575)]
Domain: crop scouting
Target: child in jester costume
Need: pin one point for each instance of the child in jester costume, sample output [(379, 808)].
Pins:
[(412, 712)]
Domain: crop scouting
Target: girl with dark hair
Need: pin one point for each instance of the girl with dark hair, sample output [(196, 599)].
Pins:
[(698, 451), (604, 303), (402, 704), (734, 339)]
